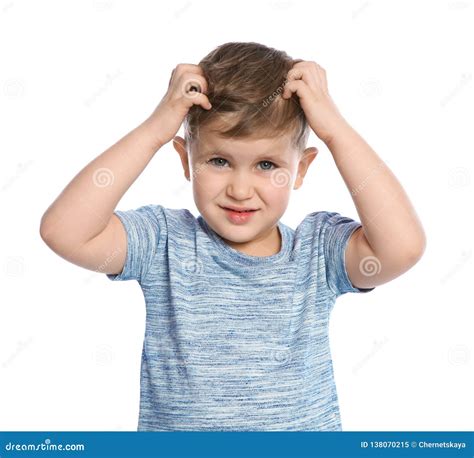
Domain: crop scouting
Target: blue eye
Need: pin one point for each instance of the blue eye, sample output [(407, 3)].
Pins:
[(225, 160), (216, 158), (268, 162)]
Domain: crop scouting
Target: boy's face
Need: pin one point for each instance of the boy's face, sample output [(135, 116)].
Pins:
[(244, 173)]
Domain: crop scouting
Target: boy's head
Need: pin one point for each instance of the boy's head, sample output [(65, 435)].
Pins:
[(248, 150)]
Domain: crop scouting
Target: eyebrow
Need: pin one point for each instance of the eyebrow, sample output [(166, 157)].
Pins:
[(272, 155)]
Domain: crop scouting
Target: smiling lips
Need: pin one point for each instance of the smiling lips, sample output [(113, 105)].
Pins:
[(240, 209), (239, 217)]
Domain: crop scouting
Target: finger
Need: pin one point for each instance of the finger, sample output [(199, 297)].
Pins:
[(182, 68), (305, 73), (306, 63), (197, 98), (171, 77), (299, 62), (316, 71), (320, 74), (191, 82), (298, 87), (324, 79), (294, 74)]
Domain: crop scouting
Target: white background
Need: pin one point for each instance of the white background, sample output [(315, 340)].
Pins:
[(77, 76)]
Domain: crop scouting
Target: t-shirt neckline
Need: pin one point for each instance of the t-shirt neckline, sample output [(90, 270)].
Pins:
[(244, 258)]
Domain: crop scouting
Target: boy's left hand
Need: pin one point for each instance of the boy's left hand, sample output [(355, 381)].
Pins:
[(308, 80)]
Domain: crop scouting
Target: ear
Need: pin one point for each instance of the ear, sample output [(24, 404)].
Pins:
[(308, 156), (180, 146)]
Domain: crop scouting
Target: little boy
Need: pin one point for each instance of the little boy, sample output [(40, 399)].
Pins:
[(238, 303)]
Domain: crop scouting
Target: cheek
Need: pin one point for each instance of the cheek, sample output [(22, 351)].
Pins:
[(274, 188), (280, 182), (277, 196), (206, 185)]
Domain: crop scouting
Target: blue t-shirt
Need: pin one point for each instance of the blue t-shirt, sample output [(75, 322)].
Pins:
[(235, 342)]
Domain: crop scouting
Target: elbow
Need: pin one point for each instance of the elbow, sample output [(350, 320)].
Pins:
[(45, 231), (44, 234), (42, 230), (417, 250)]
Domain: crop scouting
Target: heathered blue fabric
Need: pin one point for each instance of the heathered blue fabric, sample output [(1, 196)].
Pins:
[(235, 342)]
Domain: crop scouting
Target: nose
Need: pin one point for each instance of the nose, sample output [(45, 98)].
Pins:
[(240, 186)]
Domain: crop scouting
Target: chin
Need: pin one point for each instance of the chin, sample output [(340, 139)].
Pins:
[(235, 233)]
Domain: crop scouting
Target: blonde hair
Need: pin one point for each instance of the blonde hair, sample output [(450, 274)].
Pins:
[(245, 83)]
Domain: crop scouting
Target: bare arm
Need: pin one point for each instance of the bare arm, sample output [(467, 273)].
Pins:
[(80, 225), (84, 207), (392, 237)]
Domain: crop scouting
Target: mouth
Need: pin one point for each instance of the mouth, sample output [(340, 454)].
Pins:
[(240, 210), (239, 216)]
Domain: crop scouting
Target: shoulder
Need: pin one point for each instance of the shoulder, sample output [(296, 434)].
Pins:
[(324, 233), (177, 215), (181, 224), (316, 222), (158, 219), (169, 216)]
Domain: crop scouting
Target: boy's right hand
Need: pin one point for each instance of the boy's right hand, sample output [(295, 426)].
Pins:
[(168, 116)]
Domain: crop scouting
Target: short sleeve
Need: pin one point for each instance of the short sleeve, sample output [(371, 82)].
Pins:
[(143, 226), (337, 232)]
